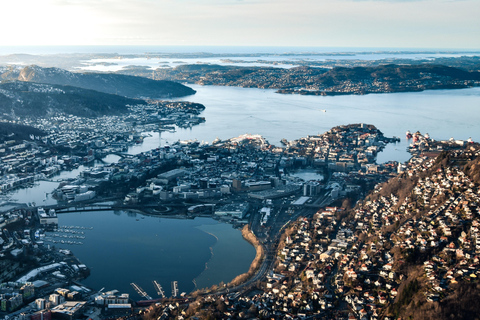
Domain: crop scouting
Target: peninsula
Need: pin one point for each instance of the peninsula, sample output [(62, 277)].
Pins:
[(323, 81)]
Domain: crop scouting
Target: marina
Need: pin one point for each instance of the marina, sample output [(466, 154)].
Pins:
[(70, 235)]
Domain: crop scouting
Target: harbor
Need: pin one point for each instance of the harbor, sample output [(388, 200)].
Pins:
[(71, 235)]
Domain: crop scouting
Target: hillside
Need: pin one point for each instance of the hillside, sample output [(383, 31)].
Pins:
[(12, 131), (425, 221), (124, 85), (18, 98), (409, 250), (322, 81)]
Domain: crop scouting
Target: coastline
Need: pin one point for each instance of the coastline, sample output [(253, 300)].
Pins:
[(225, 262), (250, 237)]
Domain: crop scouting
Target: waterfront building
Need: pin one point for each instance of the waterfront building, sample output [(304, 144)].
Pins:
[(68, 310), (235, 210), (47, 218)]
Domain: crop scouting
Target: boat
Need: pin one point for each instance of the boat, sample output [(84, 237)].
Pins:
[(409, 134)]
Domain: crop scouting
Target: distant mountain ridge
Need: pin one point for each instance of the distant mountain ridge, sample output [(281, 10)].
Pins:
[(124, 85)]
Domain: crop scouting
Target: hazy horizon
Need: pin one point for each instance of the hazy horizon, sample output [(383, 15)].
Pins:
[(143, 49), (449, 24)]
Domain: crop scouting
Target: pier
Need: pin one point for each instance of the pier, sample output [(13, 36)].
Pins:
[(140, 291), (174, 288), (159, 289)]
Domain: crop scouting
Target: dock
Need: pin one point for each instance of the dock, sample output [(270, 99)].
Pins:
[(140, 291), (174, 288), (159, 289)]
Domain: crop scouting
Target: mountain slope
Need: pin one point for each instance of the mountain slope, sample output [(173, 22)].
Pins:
[(128, 86), (35, 99), (12, 131)]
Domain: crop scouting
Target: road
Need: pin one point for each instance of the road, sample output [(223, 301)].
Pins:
[(270, 235)]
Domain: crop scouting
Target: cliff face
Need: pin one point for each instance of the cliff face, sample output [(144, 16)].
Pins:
[(128, 86)]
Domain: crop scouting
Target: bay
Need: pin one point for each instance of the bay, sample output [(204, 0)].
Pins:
[(124, 247), (233, 111), (40, 192)]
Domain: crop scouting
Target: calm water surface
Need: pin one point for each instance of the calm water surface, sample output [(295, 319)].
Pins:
[(232, 111), (125, 247)]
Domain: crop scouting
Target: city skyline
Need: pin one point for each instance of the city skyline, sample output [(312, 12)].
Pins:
[(325, 23)]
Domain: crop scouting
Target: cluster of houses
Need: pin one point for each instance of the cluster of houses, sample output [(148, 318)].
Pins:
[(449, 229), (248, 163), (351, 264), (71, 140), (22, 162), (420, 143), (306, 80), (242, 164), (344, 148)]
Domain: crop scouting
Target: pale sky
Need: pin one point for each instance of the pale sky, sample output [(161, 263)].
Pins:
[(314, 23)]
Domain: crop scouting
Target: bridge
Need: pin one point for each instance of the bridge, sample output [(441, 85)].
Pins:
[(77, 208), (81, 207)]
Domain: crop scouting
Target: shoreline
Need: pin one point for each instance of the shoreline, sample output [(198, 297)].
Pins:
[(214, 276), (250, 237)]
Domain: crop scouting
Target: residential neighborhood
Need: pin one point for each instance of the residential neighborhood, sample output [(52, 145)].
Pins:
[(362, 240)]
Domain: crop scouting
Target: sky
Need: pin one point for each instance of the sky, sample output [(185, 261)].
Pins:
[(449, 24)]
